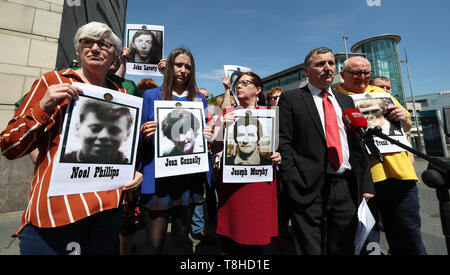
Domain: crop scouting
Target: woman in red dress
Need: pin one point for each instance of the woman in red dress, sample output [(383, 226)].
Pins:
[(247, 215)]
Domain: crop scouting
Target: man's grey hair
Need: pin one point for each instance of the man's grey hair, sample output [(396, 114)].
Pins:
[(319, 50), (345, 64), (98, 31)]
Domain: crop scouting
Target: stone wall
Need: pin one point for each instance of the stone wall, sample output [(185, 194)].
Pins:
[(29, 32), (15, 183)]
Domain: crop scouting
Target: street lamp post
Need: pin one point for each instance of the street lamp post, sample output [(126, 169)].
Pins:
[(345, 45), (412, 96)]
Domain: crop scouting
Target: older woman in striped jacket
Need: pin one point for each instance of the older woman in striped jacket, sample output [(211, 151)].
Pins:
[(86, 223)]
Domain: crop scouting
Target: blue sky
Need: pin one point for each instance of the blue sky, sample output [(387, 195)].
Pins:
[(269, 36)]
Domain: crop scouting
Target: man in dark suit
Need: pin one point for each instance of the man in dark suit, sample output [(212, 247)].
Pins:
[(325, 169)]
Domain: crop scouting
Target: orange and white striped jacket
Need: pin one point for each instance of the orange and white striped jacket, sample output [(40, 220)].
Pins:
[(32, 128)]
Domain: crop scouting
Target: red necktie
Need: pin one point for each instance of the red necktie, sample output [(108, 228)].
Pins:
[(332, 133)]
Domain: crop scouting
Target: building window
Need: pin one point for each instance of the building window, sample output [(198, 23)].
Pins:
[(285, 80), (339, 64), (273, 83), (383, 55), (424, 102), (302, 75)]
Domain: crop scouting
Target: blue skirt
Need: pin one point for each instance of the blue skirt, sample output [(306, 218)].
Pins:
[(174, 194)]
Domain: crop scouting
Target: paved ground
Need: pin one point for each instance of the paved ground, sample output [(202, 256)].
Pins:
[(431, 229), (432, 235), (9, 222)]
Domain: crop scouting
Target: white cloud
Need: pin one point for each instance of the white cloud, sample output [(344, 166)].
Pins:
[(275, 17), (212, 75), (243, 12), (432, 79)]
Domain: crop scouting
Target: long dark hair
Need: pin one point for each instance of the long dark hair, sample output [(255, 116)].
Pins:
[(169, 77)]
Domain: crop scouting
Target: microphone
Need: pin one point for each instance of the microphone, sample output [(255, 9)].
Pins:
[(355, 122)]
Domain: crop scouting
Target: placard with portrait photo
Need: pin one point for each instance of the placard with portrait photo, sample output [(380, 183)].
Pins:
[(180, 147), (373, 107), (146, 44), (99, 141), (233, 71), (248, 144)]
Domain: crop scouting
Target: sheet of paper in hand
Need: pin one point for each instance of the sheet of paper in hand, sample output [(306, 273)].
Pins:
[(180, 147), (248, 144), (233, 71), (99, 141), (373, 107), (366, 222), (146, 44)]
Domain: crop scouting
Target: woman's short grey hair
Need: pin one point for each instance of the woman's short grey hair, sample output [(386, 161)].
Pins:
[(98, 31)]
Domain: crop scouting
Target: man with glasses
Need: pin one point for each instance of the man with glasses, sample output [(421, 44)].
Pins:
[(395, 179)]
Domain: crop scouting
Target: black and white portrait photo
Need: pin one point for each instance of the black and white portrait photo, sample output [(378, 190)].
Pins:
[(99, 133), (183, 129), (248, 144), (180, 147), (146, 44), (99, 140)]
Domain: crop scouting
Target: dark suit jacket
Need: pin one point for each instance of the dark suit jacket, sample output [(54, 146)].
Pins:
[(303, 148)]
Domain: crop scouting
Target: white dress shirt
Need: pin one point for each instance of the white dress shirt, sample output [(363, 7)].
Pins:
[(318, 100), (184, 94)]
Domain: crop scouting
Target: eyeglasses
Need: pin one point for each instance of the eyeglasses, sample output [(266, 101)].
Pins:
[(89, 43), (274, 97), (244, 83), (359, 73)]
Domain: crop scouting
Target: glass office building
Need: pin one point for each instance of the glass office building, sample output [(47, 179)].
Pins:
[(382, 52), (294, 77), (288, 79)]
